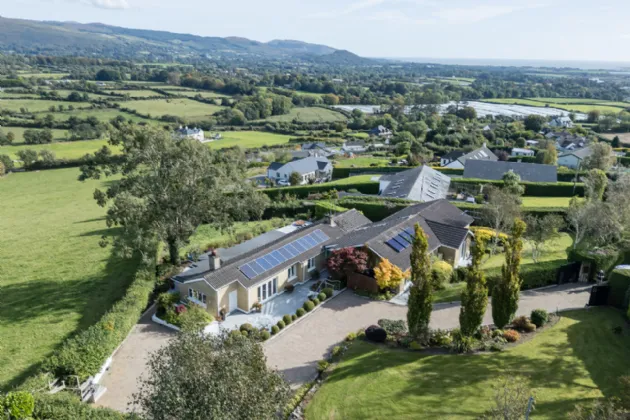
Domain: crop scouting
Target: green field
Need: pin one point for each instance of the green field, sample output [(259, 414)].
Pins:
[(361, 161), (63, 93), (313, 114), (577, 360), (184, 108), (38, 105), (56, 279), (10, 95), (102, 114), (58, 135), (247, 139), (193, 93), (44, 75), (359, 179), (137, 93), (62, 150), (545, 201)]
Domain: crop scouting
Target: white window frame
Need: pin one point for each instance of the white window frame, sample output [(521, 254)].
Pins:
[(310, 264), (292, 272), (267, 290), (197, 297)]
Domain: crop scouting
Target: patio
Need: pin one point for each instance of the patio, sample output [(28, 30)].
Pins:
[(272, 310)]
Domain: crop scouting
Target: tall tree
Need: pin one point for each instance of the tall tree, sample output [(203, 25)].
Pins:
[(168, 188), (199, 376), (540, 231), (601, 157), (500, 211), (475, 296), (534, 122), (548, 156), (595, 184), (512, 184), (505, 292), (420, 302)]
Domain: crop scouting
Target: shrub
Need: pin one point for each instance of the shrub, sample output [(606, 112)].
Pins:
[(533, 275), (497, 333), (264, 335), (281, 324), (315, 301), (67, 406), (459, 275), (496, 347), (336, 351), (441, 273), (512, 336), (529, 327), (539, 317), (322, 365), (322, 297), (308, 305), (328, 291), (275, 330), (393, 326), (520, 322), (351, 336), (441, 338), (166, 301), (300, 312), (361, 335), (289, 288), (246, 327), (376, 334), (287, 319), (194, 319), (462, 343), (414, 345), (294, 317), (19, 404), (244, 333), (619, 283)]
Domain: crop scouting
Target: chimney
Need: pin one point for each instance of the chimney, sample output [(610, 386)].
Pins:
[(214, 260), (331, 220)]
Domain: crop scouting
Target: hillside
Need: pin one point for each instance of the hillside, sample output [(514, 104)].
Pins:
[(71, 38)]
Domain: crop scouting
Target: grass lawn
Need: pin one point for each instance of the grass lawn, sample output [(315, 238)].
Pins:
[(577, 360), (58, 135), (359, 179), (192, 94), (554, 250), (8, 95), (139, 93), (104, 114), (38, 105), (452, 293), (56, 278), (184, 108), (247, 139), (62, 150), (546, 201), (312, 114), (361, 161)]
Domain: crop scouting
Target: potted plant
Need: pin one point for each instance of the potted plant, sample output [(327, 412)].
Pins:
[(289, 288), (257, 307)]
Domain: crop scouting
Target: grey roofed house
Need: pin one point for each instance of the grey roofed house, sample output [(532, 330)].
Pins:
[(420, 184), (380, 131), (229, 271), (494, 171), (445, 225), (580, 153), (483, 153), (313, 146)]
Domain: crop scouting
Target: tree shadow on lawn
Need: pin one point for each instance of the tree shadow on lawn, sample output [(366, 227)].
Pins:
[(91, 297)]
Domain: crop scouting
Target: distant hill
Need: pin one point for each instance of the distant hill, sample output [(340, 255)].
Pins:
[(71, 38)]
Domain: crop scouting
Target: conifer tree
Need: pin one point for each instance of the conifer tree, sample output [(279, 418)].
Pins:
[(421, 292), (475, 296)]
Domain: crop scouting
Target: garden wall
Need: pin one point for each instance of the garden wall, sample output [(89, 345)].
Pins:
[(358, 281)]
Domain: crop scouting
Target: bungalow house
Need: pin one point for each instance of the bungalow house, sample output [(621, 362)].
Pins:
[(451, 157), (380, 131), (531, 142), (233, 280), (494, 171), (445, 225), (318, 168), (483, 153), (318, 149), (517, 151), (190, 133), (564, 122), (573, 159), (354, 146), (420, 184)]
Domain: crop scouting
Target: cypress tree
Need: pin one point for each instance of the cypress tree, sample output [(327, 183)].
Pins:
[(475, 296), (505, 292), (420, 302)]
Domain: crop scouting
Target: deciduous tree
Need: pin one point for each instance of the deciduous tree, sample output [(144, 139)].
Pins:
[(420, 302), (499, 211), (475, 296), (388, 275), (346, 260), (595, 184), (540, 231), (601, 157), (295, 178)]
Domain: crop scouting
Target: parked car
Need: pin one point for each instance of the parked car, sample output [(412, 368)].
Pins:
[(283, 183)]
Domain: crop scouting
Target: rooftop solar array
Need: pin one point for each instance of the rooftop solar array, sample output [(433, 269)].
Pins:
[(273, 259), (402, 240)]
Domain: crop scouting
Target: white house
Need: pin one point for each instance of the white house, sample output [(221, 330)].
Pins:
[(564, 122), (517, 151), (190, 133), (531, 143), (354, 146), (574, 158), (317, 168)]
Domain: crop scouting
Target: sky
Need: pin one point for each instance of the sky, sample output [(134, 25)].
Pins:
[(503, 29)]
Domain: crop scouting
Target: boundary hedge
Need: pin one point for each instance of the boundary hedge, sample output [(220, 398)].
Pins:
[(345, 172), (533, 189), (619, 283), (304, 191)]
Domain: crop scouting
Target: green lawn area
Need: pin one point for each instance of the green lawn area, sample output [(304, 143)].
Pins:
[(184, 108), (138, 93), (361, 161), (58, 135), (359, 179), (452, 293), (546, 201), (38, 105), (206, 235), (104, 114), (554, 250), (56, 279), (62, 150), (45, 75), (8, 95), (577, 360), (247, 139), (312, 114), (192, 94)]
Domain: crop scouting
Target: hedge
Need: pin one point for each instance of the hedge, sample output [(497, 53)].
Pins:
[(601, 259), (84, 354), (524, 159), (66, 406), (375, 211), (534, 189), (534, 275), (304, 191), (346, 172), (534, 211), (324, 208), (619, 283)]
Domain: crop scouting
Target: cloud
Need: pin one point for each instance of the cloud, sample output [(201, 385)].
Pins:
[(459, 15), (108, 4)]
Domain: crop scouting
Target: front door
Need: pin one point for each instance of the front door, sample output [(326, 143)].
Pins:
[(233, 298)]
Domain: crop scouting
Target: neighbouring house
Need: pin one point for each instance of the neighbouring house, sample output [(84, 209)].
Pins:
[(380, 131), (233, 280), (561, 122), (483, 153), (489, 127), (573, 159), (494, 171), (190, 133), (419, 184), (517, 151), (319, 149), (570, 143), (445, 225), (531, 142), (451, 157), (317, 168), (355, 146)]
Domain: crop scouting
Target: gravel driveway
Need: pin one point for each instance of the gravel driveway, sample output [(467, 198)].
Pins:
[(297, 350)]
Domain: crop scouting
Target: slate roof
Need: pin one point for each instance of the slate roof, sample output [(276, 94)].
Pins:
[(313, 146), (274, 166), (483, 153), (453, 155), (359, 143), (531, 172), (303, 166), (444, 224), (421, 184), (580, 154)]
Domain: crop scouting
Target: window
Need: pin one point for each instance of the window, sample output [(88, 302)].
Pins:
[(267, 290), (197, 295), (292, 271), (275, 286), (311, 264)]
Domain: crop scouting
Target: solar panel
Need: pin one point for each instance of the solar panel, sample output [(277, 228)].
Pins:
[(310, 241), (292, 249), (397, 247), (258, 269), (401, 241), (264, 264), (271, 260), (299, 246), (247, 270), (278, 256), (321, 235), (407, 236)]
